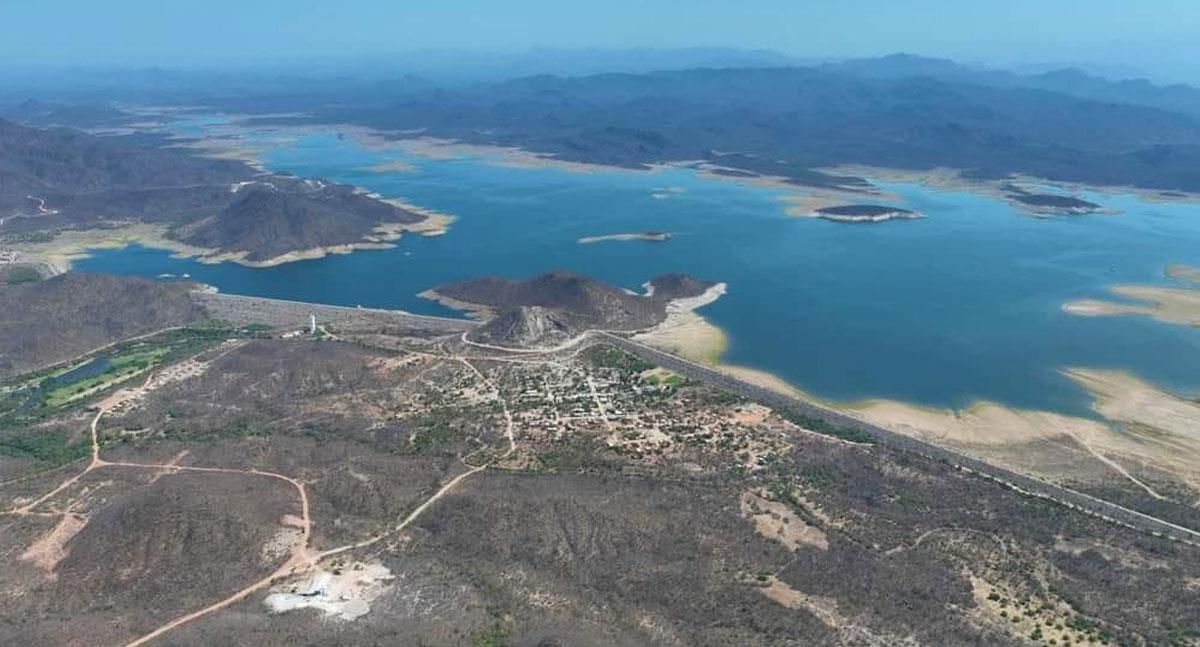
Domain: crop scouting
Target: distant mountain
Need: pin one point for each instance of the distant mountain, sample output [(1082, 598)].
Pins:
[(1070, 81), (787, 121), (902, 66), (53, 113), (55, 164)]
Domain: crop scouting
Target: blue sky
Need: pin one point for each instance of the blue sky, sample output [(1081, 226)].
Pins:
[(174, 32)]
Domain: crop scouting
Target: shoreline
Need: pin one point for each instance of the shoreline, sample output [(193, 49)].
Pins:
[(686, 333), (1166, 304), (952, 180), (994, 431), (472, 311), (1148, 429), (227, 140), (898, 214), (72, 245)]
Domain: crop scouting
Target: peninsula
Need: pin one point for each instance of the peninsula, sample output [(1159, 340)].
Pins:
[(218, 209), (559, 306)]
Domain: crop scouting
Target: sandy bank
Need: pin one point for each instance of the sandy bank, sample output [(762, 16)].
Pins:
[(1184, 273), (1169, 305), (72, 245), (393, 166), (471, 310), (649, 236), (1145, 430), (884, 216), (686, 333), (449, 149), (1123, 397), (952, 180), (228, 147)]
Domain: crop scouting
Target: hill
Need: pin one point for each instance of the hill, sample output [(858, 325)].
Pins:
[(560, 305), (54, 320), (55, 179), (789, 121), (268, 220), (364, 491)]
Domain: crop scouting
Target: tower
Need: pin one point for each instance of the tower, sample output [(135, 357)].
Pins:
[(312, 324)]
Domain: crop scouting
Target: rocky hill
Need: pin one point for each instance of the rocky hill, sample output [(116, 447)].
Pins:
[(54, 179), (62, 317), (55, 164), (559, 305), (268, 220)]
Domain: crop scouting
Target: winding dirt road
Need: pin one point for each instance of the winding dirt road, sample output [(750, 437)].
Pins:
[(302, 558)]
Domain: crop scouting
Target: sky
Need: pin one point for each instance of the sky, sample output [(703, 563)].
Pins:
[(1160, 36)]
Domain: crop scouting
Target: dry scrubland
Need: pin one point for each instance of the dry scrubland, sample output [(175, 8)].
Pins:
[(592, 500)]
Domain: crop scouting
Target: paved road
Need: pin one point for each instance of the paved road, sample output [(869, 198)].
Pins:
[(279, 312), (1026, 484)]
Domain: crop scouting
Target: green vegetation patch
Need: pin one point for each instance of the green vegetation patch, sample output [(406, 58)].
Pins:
[(608, 357), (34, 396), (30, 237), (497, 635), (121, 368), (668, 379), (824, 427), (55, 448), (22, 274), (426, 440)]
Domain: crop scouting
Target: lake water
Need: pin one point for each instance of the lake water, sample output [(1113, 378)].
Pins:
[(962, 305)]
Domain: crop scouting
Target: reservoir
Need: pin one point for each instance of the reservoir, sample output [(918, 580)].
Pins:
[(964, 304)]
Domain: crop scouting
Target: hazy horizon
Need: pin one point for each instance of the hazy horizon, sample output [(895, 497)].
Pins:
[(1153, 39)]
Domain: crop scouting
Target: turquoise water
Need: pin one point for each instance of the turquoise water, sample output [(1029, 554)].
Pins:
[(962, 305)]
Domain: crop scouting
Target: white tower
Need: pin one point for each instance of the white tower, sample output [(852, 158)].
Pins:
[(312, 324)]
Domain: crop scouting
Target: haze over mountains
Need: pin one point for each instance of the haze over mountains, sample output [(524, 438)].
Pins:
[(756, 115), (900, 111)]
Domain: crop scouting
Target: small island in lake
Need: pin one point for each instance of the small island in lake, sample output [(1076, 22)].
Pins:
[(864, 213), (647, 236), (1050, 204)]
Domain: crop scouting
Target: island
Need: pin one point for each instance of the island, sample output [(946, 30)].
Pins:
[(1049, 204), (1062, 205), (864, 213), (646, 236)]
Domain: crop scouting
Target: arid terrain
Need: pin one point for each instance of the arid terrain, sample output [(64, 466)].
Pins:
[(234, 483), (61, 181)]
